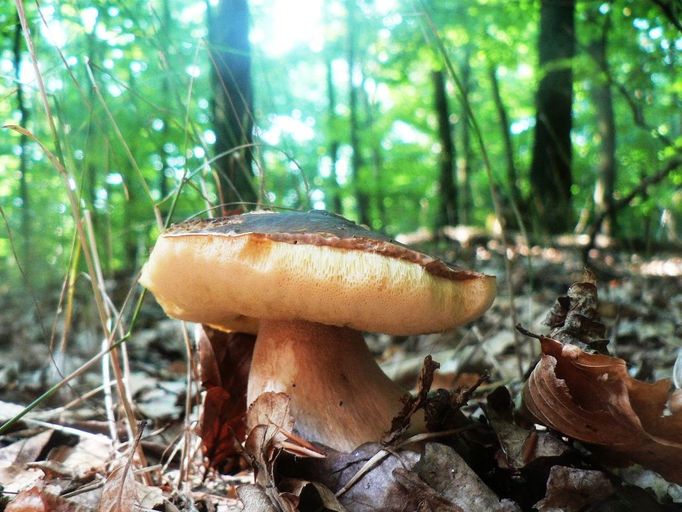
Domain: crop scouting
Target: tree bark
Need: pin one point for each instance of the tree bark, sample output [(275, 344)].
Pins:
[(447, 188), (357, 161), (550, 172), (232, 103), (606, 128)]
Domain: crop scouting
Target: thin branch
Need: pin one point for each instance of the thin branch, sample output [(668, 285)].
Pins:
[(624, 201)]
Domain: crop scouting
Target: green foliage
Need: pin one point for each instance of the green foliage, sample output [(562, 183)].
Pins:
[(129, 88)]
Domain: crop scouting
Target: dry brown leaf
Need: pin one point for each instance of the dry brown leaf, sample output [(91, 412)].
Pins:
[(592, 398), (415, 494), (225, 361), (15, 475), (120, 491), (39, 499), (268, 420), (519, 446), (444, 470), (255, 499), (575, 319), (82, 460), (372, 491), (306, 495), (570, 489)]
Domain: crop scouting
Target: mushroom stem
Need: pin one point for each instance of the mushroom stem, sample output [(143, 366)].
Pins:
[(339, 395)]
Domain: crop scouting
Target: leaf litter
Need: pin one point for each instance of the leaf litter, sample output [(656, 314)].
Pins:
[(586, 417)]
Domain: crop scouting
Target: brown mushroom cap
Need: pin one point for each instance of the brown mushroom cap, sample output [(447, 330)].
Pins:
[(312, 266)]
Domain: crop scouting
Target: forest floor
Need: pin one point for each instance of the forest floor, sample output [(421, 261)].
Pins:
[(76, 451)]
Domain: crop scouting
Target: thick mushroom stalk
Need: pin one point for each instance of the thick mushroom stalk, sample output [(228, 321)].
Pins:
[(339, 395), (308, 284)]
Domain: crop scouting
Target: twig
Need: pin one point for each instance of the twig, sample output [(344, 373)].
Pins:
[(624, 201), (526, 332)]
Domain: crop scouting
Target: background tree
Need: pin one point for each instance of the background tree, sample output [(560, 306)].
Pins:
[(26, 230), (358, 160), (605, 121), (447, 190), (132, 87), (550, 171), (232, 102)]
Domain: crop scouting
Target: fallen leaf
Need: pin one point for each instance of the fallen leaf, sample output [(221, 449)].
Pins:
[(255, 499), (120, 491), (519, 446), (83, 459), (446, 472), (570, 489), (269, 421), (575, 319), (306, 495), (225, 361), (365, 475), (15, 474), (415, 494), (592, 398), (40, 498)]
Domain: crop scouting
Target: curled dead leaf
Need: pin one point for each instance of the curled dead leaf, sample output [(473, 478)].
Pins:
[(225, 361), (575, 319), (592, 398)]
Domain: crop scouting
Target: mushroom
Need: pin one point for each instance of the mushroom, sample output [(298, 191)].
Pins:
[(310, 283)]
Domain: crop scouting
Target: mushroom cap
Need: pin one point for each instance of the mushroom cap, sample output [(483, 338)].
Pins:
[(313, 266)]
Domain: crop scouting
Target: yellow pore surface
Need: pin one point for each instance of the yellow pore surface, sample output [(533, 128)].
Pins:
[(217, 279)]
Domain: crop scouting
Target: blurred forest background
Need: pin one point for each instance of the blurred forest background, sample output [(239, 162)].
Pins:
[(523, 138), (398, 114)]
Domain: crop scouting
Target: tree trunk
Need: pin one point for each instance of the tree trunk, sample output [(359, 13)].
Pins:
[(606, 126), (447, 189), (357, 162), (232, 103), (464, 162), (550, 172), (166, 92), (512, 175), (376, 159), (332, 126), (26, 233)]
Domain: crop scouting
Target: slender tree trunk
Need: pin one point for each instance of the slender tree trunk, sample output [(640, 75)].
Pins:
[(447, 189), (606, 126), (464, 161), (550, 172), (332, 127), (512, 175), (377, 160), (26, 230), (166, 21), (357, 162), (232, 102)]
